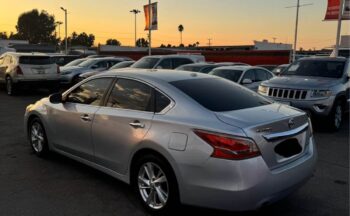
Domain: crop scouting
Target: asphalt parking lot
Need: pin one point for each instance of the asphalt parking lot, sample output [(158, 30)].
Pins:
[(59, 186)]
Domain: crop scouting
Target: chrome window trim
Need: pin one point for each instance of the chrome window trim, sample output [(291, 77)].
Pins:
[(285, 134)]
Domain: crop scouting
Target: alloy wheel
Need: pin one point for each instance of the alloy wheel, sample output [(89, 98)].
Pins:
[(153, 185), (338, 116), (37, 137)]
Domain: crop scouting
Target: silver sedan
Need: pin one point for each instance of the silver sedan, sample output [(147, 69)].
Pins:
[(178, 137)]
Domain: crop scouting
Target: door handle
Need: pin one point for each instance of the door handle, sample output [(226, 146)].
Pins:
[(85, 117), (137, 124)]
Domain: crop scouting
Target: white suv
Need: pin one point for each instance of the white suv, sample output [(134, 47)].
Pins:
[(26, 69)]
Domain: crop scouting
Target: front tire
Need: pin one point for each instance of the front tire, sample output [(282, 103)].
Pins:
[(155, 185), (335, 118), (37, 138)]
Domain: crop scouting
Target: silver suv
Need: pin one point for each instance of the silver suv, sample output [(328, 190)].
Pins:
[(319, 86)]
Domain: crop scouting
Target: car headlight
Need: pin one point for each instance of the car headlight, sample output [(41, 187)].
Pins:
[(263, 90), (321, 93)]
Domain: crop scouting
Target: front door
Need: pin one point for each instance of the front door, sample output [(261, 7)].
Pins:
[(72, 119)]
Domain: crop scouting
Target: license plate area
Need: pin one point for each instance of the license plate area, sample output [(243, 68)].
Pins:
[(288, 148)]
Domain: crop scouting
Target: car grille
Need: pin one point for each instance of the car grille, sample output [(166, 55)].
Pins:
[(287, 93)]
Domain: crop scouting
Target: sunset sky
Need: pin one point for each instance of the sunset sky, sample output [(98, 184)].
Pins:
[(227, 22)]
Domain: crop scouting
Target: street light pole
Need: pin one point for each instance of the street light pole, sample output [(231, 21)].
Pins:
[(296, 27), (59, 23), (135, 11), (66, 39)]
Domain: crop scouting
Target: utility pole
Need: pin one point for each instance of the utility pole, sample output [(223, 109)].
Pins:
[(149, 28), (66, 39), (340, 16), (59, 23), (296, 26), (135, 11), (209, 41), (274, 39)]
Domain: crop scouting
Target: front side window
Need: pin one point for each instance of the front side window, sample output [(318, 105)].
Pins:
[(165, 64), (132, 95), (260, 75), (90, 93), (249, 75)]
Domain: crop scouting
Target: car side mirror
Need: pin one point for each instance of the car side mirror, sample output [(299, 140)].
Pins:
[(56, 98), (247, 81)]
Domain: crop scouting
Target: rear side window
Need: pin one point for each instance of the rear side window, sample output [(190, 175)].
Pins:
[(35, 60), (132, 95), (219, 95), (162, 101), (229, 74)]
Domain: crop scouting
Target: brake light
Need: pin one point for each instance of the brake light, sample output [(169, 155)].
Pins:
[(58, 69), (229, 147), (19, 70)]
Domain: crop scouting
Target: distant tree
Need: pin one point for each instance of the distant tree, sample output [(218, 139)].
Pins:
[(181, 45), (114, 42), (181, 29), (82, 39), (141, 42), (15, 36), (169, 46), (162, 46), (197, 44), (36, 27), (3, 35)]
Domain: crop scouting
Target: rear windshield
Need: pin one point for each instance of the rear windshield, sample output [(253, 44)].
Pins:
[(145, 63), (314, 68), (219, 95), (35, 60), (229, 74)]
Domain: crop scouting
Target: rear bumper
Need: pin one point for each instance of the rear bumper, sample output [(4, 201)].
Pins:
[(244, 185)]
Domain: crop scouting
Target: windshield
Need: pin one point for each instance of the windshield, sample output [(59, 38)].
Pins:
[(220, 95), (146, 63), (75, 62), (87, 63), (232, 75), (316, 68)]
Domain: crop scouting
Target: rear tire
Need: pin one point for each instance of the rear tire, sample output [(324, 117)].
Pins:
[(37, 138), (10, 87), (155, 185), (335, 117)]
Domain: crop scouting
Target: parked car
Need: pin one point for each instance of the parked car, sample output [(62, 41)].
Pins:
[(279, 69), (123, 64), (231, 64), (62, 59), (198, 67), (268, 67), (166, 61), (74, 62), (320, 86), (27, 69), (178, 137), (119, 65), (342, 52), (109, 56), (248, 76), (70, 75)]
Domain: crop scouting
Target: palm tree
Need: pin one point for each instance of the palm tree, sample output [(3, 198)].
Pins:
[(181, 29)]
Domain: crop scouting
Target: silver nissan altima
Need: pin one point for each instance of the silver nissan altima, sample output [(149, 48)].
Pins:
[(178, 137)]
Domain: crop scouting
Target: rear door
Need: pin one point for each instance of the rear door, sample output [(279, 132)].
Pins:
[(122, 123), (38, 67)]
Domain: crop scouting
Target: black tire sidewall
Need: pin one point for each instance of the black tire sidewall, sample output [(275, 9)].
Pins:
[(9, 79), (44, 152), (173, 197), (331, 117)]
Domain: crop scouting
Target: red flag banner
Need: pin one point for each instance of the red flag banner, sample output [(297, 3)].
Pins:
[(333, 10), (154, 16)]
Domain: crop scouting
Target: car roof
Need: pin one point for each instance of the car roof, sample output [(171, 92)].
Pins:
[(324, 58), (238, 67), (17, 54), (198, 64), (155, 75)]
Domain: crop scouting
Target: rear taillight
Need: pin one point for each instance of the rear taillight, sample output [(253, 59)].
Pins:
[(229, 147), (19, 70), (58, 69)]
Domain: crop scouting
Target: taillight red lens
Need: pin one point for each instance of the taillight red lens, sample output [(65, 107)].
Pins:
[(229, 147), (19, 70), (58, 69)]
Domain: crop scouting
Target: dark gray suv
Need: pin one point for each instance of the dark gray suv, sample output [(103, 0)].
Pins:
[(319, 86)]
